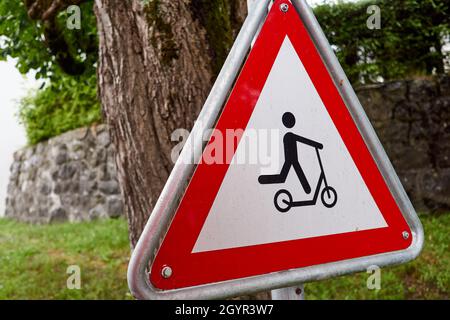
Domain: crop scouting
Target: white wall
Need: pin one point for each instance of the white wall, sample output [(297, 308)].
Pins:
[(13, 86)]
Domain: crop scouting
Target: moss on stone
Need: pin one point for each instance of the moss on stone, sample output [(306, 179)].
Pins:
[(216, 17), (163, 34)]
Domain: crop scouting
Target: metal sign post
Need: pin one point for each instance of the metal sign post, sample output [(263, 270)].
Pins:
[(296, 292), (292, 293)]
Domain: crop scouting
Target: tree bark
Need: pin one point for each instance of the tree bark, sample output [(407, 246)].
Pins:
[(158, 59)]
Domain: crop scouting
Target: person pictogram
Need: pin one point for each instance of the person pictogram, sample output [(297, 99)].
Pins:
[(290, 141), (283, 199)]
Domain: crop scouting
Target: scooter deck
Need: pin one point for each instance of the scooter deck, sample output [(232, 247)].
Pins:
[(312, 202), (303, 203)]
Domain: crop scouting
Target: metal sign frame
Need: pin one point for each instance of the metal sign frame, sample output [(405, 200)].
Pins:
[(165, 208)]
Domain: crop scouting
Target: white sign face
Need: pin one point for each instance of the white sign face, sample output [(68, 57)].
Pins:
[(244, 213)]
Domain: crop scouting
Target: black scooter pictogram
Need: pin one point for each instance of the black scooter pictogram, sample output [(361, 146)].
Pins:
[(283, 199)]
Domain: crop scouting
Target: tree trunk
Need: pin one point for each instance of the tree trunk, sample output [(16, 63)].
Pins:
[(158, 59)]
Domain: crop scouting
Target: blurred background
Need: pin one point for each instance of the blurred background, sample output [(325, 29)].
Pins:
[(60, 201)]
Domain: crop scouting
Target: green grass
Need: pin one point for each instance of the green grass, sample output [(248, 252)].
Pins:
[(34, 260), (427, 277)]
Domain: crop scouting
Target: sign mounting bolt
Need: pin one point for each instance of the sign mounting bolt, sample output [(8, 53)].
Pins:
[(405, 235), (166, 272), (284, 7)]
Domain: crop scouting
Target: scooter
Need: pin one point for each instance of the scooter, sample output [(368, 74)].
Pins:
[(283, 199)]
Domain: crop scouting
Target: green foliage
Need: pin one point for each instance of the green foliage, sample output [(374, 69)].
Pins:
[(21, 38), (66, 103), (26, 41), (402, 47)]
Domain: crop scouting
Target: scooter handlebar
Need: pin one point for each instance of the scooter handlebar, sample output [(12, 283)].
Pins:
[(319, 146)]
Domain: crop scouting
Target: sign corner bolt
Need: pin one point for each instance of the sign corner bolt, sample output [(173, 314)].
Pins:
[(166, 272), (284, 7)]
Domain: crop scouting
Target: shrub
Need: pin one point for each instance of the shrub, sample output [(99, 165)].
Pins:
[(62, 105), (410, 41)]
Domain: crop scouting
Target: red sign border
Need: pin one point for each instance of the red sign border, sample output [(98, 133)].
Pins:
[(193, 269)]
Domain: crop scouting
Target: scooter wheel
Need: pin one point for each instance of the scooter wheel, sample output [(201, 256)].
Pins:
[(329, 197), (283, 201)]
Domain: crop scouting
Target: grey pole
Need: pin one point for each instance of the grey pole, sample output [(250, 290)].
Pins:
[(291, 293), (296, 292)]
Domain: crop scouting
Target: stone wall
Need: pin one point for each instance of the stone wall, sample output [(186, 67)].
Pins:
[(73, 177), (69, 178), (412, 120)]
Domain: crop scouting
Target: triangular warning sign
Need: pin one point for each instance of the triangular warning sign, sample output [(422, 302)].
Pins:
[(298, 188)]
